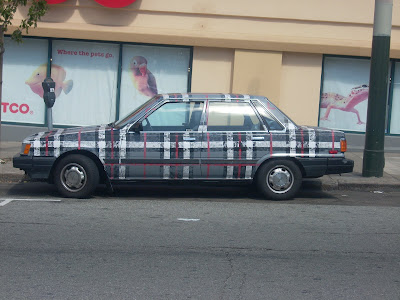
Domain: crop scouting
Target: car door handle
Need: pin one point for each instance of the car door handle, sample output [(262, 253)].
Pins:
[(257, 138), (189, 138)]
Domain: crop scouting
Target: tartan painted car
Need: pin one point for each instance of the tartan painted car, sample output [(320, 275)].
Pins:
[(209, 137)]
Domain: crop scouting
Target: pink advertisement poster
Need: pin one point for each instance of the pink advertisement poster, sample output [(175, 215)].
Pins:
[(344, 97)]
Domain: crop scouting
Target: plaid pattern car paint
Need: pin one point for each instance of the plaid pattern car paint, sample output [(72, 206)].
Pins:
[(180, 155)]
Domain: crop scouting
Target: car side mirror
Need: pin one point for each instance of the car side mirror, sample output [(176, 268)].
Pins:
[(137, 127)]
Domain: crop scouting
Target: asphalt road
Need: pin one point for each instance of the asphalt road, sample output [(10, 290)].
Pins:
[(169, 242)]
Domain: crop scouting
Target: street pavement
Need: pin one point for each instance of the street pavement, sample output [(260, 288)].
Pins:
[(335, 246), (172, 242), (349, 181)]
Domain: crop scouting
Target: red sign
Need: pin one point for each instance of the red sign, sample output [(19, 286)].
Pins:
[(55, 1), (15, 108), (106, 3)]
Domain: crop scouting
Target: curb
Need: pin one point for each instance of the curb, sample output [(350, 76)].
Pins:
[(369, 186), (328, 184), (13, 178)]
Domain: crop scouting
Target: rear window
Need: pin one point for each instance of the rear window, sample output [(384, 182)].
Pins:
[(223, 116), (268, 119), (278, 114)]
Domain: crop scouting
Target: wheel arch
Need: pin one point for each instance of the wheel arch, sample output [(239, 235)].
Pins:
[(102, 172)]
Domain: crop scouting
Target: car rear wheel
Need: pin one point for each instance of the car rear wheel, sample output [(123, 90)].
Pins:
[(279, 179), (76, 176)]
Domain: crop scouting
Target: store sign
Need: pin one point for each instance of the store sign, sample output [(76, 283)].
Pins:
[(106, 3), (15, 108)]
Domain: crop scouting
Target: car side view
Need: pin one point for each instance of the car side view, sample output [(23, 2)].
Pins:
[(207, 137)]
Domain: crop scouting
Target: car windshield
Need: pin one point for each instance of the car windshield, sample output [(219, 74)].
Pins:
[(284, 119), (131, 116)]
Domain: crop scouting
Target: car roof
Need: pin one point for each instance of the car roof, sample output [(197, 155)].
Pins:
[(208, 96)]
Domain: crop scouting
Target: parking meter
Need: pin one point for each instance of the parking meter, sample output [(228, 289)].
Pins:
[(49, 94)]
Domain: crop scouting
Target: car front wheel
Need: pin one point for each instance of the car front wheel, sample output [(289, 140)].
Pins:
[(76, 176), (279, 179)]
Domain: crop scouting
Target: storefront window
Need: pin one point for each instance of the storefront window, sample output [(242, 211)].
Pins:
[(23, 72), (344, 97), (85, 74), (395, 116), (149, 70)]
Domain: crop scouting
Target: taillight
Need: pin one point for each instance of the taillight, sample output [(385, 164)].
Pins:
[(343, 145)]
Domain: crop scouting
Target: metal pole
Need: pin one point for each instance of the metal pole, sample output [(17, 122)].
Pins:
[(374, 158), (49, 111), (49, 118)]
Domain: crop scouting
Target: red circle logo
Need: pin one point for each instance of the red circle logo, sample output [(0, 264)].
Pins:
[(115, 3), (106, 3), (55, 1)]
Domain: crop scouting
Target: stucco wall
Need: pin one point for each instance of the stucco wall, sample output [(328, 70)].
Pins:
[(310, 26), (300, 87), (257, 73), (291, 80), (273, 48), (212, 70)]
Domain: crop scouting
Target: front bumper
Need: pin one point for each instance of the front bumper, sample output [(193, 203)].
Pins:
[(317, 167), (35, 166)]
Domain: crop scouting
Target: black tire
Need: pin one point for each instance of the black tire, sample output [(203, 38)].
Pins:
[(279, 179), (76, 176)]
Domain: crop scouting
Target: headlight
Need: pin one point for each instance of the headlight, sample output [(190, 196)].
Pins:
[(26, 147)]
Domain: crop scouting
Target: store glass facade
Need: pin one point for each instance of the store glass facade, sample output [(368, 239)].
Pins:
[(24, 66), (96, 82), (395, 101), (344, 95)]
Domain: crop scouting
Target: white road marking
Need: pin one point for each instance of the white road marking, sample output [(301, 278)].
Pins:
[(6, 201), (188, 220)]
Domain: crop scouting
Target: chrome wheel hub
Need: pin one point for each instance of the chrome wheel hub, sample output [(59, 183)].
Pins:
[(280, 179), (73, 177)]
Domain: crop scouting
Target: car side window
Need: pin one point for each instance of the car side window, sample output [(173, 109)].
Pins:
[(271, 123), (175, 116), (232, 116)]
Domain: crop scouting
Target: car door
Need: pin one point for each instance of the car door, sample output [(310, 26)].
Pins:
[(166, 143), (233, 141)]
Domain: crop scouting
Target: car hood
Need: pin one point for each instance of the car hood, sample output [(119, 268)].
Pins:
[(64, 131)]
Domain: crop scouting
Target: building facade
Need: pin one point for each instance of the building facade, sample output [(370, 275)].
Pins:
[(311, 58)]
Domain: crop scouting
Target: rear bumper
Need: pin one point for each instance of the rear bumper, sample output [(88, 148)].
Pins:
[(36, 167), (317, 167), (339, 165)]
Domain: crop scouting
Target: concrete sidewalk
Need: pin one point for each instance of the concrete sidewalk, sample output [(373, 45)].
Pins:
[(349, 181), (355, 180)]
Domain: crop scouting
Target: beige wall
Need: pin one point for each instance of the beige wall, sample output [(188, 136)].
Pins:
[(300, 87), (257, 73), (290, 80), (212, 70), (272, 48), (309, 26)]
